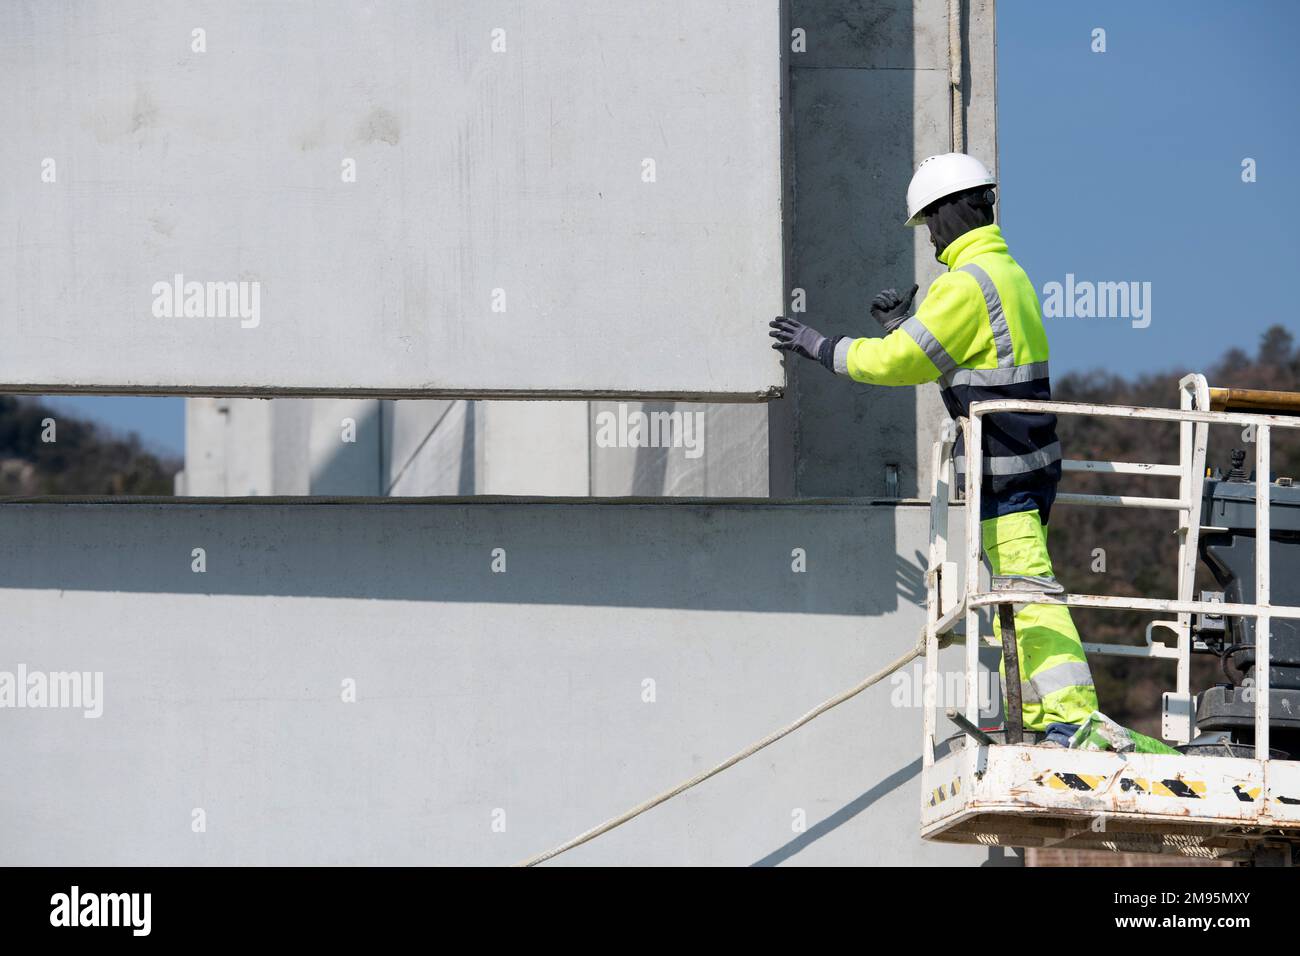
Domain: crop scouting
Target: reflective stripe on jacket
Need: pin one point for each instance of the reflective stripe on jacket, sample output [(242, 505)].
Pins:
[(979, 333)]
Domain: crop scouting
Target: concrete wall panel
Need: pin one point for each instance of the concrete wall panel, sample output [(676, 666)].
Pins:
[(229, 449), (501, 235), (476, 692), (883, 34), (534, 448), (679, 448), (869, 100), (344, 451), (442, 442)]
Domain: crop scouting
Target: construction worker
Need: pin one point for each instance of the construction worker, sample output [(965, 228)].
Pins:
[(979, 332)]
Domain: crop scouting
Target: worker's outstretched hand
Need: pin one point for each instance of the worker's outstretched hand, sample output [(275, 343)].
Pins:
[(891, 309), (793, 336)]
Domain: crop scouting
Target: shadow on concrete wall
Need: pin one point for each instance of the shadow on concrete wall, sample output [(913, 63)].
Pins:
[(910, 576), (398, 451), (843, 815), (465, 480), (853, 101), (706, 554), (351, 468), (650, 474)]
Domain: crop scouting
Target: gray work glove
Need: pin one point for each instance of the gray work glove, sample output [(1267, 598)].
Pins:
[(793, 336), (891, 309)]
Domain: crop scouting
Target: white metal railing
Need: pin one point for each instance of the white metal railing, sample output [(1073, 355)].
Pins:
[(945, 606)]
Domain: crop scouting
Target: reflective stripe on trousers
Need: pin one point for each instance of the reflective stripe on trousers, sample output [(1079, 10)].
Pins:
[(1003, 465), (1056, 682)]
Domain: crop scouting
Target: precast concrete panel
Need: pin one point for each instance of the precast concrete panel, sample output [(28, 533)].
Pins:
[(345, 445), (870, 98), (459, 681), (679, 449), (487, 198)]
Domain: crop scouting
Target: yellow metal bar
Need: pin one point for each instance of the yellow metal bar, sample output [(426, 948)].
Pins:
[(1254, 400)]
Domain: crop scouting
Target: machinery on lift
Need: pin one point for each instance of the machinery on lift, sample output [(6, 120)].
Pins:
[(1233, 790)]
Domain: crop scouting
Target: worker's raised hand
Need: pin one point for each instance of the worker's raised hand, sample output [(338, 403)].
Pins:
[(891, 309), (793, 336)]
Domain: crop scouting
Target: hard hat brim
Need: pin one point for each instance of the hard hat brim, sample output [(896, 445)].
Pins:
[(918, 218)]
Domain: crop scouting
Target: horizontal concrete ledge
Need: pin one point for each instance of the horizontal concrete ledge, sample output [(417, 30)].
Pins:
[(279, 501), (837, 557), (348, 391)]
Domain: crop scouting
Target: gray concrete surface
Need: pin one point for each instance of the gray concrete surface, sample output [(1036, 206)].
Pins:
[(476, 692), (432, 448), (869, 100), (681, 448), (230, 448), (458, 447), (518, 692), (521, 170)]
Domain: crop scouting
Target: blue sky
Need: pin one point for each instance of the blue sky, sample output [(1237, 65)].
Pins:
[(160, 422), (1122, 166), (1126, 166)]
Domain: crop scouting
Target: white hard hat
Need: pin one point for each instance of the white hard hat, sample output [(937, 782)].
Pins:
[(940, 176)]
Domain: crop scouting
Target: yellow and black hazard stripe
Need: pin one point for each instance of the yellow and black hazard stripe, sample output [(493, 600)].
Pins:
[(1187, 789), (1089, 782), (1074, 781), (940, 794)]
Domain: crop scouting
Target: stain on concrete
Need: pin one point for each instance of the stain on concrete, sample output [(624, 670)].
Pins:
[(380, 126), (144, 112), (119, 120), (313, 137)]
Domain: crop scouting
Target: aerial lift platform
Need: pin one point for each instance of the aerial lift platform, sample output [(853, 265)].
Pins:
[(1227, 794)]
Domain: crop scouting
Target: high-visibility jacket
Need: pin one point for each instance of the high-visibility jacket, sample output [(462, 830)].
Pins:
[(979, 332)]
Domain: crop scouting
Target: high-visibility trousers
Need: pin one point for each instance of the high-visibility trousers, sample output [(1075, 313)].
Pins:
[(1055, 681)]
